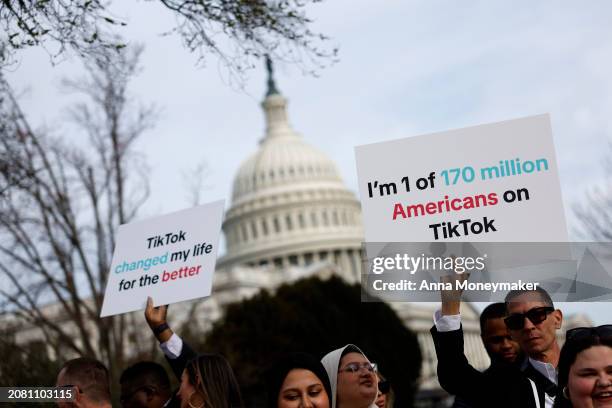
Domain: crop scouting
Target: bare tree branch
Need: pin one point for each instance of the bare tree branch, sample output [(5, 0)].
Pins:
[(595, 214), (194, 182), (237, 32), (60, 206)]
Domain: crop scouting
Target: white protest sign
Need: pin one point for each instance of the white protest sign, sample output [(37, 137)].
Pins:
[(495, 182), (170, 258)]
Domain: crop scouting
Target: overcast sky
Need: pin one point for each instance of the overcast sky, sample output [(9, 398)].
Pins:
[(406, 68)]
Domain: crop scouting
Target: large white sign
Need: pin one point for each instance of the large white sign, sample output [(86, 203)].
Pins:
[(170, 258), (496, 182)]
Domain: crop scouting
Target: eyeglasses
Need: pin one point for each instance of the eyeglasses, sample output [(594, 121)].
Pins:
[(355, 367), (384, 386), (580, 333), (537, 315)]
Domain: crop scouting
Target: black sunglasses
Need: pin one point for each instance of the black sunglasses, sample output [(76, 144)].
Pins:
[(580, 333), (537, 315), (384, 386)]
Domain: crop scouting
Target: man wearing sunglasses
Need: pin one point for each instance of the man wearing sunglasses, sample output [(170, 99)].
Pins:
[(533, 322), (505, 383)]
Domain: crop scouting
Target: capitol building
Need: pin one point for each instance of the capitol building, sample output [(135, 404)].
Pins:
[(291, 216)]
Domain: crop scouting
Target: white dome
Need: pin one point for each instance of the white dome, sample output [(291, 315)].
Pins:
[(282, 160), (289, 205)]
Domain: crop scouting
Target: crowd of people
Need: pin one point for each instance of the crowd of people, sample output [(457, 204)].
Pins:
[(343, 378), (528, 367)]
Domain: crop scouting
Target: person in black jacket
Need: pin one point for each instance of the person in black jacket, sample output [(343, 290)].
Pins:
[(498, 343), (500, 346), (206, 379), (504, 384), (533, 322), (501, 385)]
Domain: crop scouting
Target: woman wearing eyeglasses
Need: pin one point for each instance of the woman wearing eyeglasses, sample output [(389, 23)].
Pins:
[(585, 368), (299, 381), (352, 376)]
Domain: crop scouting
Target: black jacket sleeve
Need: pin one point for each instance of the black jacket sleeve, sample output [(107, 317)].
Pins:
[(178, 364), (499, 386), (455, 373)]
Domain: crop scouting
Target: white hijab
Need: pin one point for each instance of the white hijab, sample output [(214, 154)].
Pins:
[(331, 362)]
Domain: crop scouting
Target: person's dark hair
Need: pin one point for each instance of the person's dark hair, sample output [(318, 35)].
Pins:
[(569, 352), (385, 387), (90, 375), (493, 311), (146, 373), (212, 375), (539, 294), (278, 373)]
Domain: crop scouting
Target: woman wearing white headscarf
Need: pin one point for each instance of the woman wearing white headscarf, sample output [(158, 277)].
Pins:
[(352, 376)]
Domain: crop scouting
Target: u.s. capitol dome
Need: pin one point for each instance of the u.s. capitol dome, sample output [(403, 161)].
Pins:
[(289, 206)]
